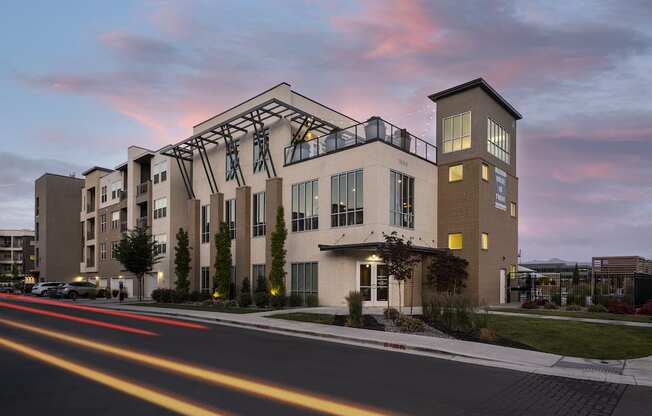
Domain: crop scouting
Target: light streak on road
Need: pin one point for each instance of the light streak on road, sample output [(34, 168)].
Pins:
[(132, 389), (77, 319), (106, 311), (281, 394)]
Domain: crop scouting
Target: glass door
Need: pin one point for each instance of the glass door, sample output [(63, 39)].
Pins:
[(373, 283)]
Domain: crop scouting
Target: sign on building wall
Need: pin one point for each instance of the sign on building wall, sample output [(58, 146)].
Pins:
[(501, 189)]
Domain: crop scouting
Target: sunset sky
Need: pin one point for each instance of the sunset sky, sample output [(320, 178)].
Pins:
[(80, 81)]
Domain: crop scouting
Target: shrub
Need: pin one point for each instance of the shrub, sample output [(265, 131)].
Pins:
[(312, 301), (232, 303), (204, 296), (278, 301), (410, 324), (646, 309), (115, 293), (354, 300), (245, 293), (597, 308), (295, 299), (541, 302), (556, 299), (620, 307), (261, 299), (453, 313), (574, 308), (194, 296), (207, 302), (391, 313), (550, 305), (528, 304)]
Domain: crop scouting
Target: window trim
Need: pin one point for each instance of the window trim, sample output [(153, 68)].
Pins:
[(399, 210)]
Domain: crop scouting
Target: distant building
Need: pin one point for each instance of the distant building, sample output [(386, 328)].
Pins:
[(16, 253), (564, 269), (57, 227), (622, 265)]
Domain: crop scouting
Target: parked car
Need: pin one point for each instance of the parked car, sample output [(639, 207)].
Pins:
[(41, 289), (6, 287), (73, 290)]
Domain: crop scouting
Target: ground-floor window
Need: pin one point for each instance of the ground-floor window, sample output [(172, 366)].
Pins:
[(257, 272), (305, 279), (205, 279)]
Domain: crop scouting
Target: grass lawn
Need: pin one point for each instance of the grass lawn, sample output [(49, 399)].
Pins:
[(572, 314), (237, 310), (316, 318), (577, 339)]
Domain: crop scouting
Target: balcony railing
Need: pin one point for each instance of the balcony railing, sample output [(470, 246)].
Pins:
[(90, 208), (374, 129), (122, 194), (141, 222), (90, 235)]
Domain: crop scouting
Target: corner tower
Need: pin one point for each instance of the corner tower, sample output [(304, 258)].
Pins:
[(478, 186)]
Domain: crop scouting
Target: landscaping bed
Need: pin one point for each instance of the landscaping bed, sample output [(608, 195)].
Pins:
[(368, 321), (201, 307)]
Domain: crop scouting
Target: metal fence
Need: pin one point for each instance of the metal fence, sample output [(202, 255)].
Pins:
[(632, 289)]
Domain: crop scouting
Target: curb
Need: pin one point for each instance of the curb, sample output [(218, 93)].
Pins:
[(472, 359)]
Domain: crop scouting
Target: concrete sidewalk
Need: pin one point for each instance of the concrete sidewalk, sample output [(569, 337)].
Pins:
[(633, 372), (572, 318)]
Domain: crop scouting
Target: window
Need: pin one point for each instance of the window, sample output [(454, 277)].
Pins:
[(305, 206), (103, 223), (485, 172), (259, 214), (205, 223), (497, 141), (160, 208), (103, 194), (455, 173), (205, 279), (36, 208), (512, 209), (160, 244), (347, 199), (102, 251), (455, 241), (232, 159), (484, 241), (401, 200), (114, 247), (257, 272), (159, 172), (457, 132), (229, 216), (115, 220), (115, 189), (261, 155), (305, 281)]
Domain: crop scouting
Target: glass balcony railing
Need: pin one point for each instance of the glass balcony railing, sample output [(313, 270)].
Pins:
[(374, 129)]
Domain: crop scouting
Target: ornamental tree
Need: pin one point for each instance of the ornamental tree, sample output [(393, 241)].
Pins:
[(222, 277), (399, 259), (277, 272), (447, 273), (182, 261), (136, 252)]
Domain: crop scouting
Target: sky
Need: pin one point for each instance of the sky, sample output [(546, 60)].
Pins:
[(80, 81)]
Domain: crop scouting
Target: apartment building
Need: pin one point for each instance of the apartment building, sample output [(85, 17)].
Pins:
[(342, 183), (57, 228), (16, 253)]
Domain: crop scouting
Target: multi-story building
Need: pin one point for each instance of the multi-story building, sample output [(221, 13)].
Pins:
[(621, 265), (57, 228), (564, 269), (343, 184), (16, 253)]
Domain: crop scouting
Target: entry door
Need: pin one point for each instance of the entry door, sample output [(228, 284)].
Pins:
[(373, 283)]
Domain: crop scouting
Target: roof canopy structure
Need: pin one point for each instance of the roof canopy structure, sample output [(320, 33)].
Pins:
[(252, 120)]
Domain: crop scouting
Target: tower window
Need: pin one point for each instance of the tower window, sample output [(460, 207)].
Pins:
[(485, 172), (455, 173), (457, 132), (455, 241), (484, 241)]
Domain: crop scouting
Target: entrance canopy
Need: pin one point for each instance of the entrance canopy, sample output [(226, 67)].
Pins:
[(375, 246)]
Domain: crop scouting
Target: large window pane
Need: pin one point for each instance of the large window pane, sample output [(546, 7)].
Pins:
[(456, 132)]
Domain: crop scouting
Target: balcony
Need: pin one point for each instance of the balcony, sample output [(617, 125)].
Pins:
[(142, 188), (90, 235), (123, 226), (90, 208), (142, 222), (372, 130), (122, 194)]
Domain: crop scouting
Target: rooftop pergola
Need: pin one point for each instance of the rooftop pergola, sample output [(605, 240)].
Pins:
[(254, 120)]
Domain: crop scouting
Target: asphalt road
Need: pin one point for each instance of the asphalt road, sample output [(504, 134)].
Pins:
[(50, 366)]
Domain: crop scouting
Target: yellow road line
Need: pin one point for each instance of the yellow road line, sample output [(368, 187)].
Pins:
[(267, 391), (131, 389)]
